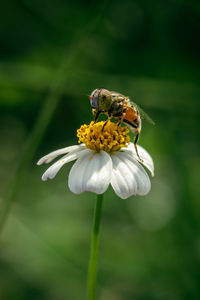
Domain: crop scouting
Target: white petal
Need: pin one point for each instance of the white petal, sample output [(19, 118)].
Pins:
[(147, 160), (128, 176), (91, 172), (49, 157), (53, 170)]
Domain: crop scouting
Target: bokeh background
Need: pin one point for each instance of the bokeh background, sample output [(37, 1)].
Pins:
[(52, 55)]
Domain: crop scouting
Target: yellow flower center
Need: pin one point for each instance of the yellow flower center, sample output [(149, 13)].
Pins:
[(109, 138)]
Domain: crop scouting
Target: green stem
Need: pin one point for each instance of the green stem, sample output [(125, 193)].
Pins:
[(92, 271)]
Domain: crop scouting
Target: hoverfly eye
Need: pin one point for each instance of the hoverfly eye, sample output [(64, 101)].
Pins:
[(94, 101)]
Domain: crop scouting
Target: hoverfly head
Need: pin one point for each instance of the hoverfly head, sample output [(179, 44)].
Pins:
[(101, 99), (105, 100)]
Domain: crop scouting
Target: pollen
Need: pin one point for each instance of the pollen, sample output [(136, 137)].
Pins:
[(99, 136)]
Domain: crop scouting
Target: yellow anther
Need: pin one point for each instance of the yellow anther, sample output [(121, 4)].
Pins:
[(110, 139)]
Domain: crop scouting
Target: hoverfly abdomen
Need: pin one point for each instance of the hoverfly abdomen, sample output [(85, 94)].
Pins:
[(132, 119)]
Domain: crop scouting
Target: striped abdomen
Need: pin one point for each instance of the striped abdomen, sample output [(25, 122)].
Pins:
[(132, 119)]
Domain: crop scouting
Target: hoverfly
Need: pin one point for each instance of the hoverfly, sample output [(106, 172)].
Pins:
[(116, 105)]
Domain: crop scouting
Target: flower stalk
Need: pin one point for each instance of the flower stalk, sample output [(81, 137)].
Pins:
[(92, 270)]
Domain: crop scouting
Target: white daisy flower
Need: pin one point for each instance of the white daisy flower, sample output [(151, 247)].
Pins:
[(103, 157)]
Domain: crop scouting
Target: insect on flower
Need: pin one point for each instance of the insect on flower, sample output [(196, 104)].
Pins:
[(103, 157), (118, 106)]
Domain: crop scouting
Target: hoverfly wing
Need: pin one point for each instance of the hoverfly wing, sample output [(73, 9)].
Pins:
[(143, 114)]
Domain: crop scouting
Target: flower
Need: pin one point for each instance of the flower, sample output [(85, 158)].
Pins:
[(105, 156)]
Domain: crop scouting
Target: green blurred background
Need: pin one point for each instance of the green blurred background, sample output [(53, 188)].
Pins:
[(52, 55)]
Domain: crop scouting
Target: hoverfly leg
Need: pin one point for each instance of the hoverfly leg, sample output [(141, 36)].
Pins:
[(96, 116), (118, 124), (105, 124), (120, 120), (94, 112), (135, 145)]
